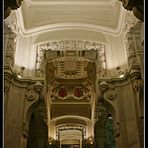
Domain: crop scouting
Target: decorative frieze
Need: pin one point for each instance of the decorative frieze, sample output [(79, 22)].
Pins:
[(71, 45), (73, 49), (71, 93), (70, 126), (133, 40)]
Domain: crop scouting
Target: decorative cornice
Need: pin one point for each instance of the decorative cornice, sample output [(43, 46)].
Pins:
[(78, 93), (70, 126), (19, 82), (76, 46), (103, 3)]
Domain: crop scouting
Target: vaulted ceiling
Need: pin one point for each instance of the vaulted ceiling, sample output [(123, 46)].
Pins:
[(49, 15), (70, 37)]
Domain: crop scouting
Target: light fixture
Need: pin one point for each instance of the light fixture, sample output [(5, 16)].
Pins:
[(120, 72), (20, 73)]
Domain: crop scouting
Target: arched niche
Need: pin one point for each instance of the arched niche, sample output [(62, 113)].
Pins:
[(38, 131)]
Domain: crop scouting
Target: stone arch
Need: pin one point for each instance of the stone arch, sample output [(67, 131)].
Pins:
[(37, 130)]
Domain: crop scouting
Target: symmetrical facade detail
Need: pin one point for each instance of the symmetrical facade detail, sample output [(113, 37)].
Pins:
[(69, 52), (73, 74), (71, 126), (71, 93)]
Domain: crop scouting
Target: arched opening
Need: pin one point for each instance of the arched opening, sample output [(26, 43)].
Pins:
[(38, 132), (104, 132)]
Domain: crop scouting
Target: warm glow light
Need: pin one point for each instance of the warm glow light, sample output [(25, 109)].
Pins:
[(19, 76), (122, 75)]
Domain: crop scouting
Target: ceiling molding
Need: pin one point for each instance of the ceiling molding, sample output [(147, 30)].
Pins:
[(63, 26), (103, 3), (71, 116)]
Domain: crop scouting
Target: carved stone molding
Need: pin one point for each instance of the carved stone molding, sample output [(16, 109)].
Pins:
[(111, 94), (10, 50), (72, 49), (10, 35), (131, 21), (70, 126), (69, 93), (71, 45), (11, 22), (31, 94), (131, 49), (138, 87)]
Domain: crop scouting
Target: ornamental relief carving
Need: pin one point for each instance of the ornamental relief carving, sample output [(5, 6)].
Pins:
[(131, 49), (70, 126), (11, 30), (72, 49), (131, 21), (10, 49), (131, 41), (111, 94), (31, 94), (11, 22), (71, 68), (59, 92)]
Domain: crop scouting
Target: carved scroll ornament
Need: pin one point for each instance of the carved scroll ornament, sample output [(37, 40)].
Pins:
[(111, 94), (32, 100)]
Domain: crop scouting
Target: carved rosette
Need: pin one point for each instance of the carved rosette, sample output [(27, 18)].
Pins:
[(70, 45), (31, 94), (111, 94)]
